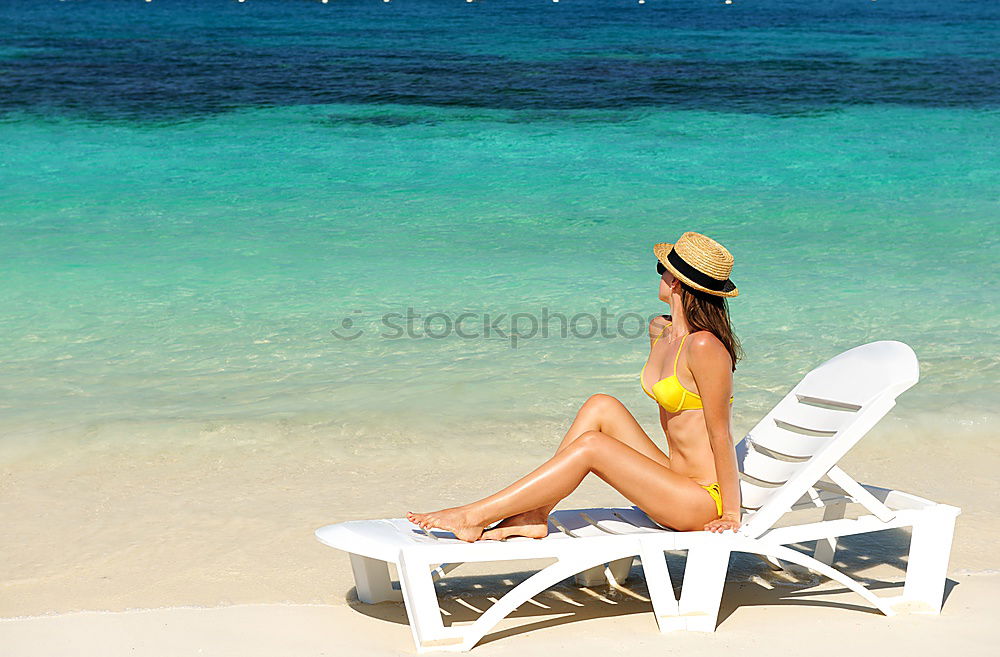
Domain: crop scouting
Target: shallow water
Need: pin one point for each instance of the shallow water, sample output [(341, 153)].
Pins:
[(198, 270)]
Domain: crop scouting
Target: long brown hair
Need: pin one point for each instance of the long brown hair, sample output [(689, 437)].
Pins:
[(710, 312)]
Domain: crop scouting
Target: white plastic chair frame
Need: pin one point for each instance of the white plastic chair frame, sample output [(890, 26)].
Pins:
[(783, 461)]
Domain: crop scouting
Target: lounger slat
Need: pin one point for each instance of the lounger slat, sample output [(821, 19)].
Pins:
[(827, 403), (769, 469), (639, 521), (561, 527), (787, 442), (753, 496), (793, 412), (595, 524)]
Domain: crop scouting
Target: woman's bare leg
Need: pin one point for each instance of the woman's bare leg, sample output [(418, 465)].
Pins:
[(602, 413), (671, 499)]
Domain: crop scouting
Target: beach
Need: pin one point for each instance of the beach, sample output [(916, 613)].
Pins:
[(767, 626), (209, 545), (269, 266)]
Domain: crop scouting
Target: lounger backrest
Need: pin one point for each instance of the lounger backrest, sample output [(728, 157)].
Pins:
[(815, 424)]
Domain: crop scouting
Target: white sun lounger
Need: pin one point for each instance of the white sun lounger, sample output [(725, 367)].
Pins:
[(788, 462)]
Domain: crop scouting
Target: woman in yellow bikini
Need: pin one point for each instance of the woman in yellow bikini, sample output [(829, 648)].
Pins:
[(693, 354)]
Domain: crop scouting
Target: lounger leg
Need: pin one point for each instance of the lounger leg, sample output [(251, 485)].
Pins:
[(420, 596), (927, 566), (826, 548), (620, 569), (371, 577), (591, 577), (661, 589), (598, 575), (701, 593)]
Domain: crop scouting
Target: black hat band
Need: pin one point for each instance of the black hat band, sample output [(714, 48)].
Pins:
[(696, 275)]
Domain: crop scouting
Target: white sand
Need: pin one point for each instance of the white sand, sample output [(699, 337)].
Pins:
[(212, 540), (763, 624), (228, 519)]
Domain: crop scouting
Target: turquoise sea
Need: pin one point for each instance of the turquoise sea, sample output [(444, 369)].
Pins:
[(199, 200)]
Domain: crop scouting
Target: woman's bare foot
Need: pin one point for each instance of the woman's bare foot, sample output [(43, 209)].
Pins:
[(532, 524), (456, 520)]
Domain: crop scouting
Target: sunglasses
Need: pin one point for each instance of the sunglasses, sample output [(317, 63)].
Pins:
[(660, 268)]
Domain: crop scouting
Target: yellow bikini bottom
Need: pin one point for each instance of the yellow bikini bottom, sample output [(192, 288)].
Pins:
[(713, 490)]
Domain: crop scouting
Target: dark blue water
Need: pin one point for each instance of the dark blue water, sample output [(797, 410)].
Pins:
[(177, 59)]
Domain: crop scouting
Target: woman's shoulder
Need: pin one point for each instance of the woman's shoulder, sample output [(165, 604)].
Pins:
[(658, 323), (706, 346), (704, 340)]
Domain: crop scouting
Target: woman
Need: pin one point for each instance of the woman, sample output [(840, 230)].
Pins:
[(692, 358)]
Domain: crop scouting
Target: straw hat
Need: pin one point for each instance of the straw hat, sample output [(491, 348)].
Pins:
[(699, 261)]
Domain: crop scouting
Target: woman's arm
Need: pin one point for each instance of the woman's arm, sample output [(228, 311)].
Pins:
[(712, 368)]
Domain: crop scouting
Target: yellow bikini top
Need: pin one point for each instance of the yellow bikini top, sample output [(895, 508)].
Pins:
[(668, 392)]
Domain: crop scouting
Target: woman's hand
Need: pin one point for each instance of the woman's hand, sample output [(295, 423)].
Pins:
[(727, 521)]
